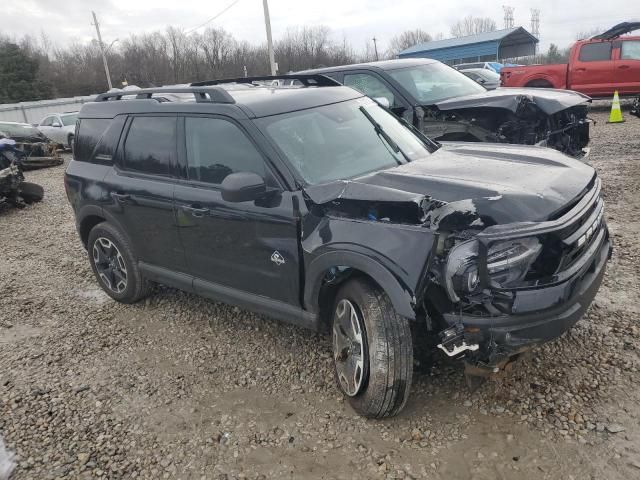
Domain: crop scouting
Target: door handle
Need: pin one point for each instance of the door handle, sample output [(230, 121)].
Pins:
[(623, 66), (581, 69), (195, 210), (120, 197)]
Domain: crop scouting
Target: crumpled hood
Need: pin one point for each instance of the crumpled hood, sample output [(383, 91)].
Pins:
[(549, 100), (491, 184)]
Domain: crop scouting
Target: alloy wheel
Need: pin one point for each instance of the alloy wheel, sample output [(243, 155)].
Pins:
[(349, 348), (110, 265)]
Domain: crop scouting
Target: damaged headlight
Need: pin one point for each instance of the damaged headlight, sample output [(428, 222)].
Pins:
[(507, 264)]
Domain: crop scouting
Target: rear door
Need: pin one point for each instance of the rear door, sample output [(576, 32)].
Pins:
[(593, 72), (234, 248), (140, 190), (628, 67)]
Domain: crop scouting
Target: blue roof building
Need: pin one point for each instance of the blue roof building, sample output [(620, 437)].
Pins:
[(482, 47)]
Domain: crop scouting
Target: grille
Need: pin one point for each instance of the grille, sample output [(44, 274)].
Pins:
[(577, 238)]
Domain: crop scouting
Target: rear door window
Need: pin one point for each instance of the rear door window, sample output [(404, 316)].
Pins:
[(595, 52), (630, 50), (150, 145)]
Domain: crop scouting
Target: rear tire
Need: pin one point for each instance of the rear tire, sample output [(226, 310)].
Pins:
[(31, 192), (114, 264), (378, 385)]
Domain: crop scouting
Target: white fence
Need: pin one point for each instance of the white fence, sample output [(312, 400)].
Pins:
[(33, 112)]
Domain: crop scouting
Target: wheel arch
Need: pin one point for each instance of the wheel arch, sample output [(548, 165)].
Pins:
[(541, 81), (322, 282), (92, 215)]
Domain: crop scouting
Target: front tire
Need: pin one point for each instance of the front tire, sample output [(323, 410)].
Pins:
[(114, 265), (372, 350), (70, 143)]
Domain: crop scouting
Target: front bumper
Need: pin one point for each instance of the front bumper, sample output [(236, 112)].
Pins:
[(538, 314)]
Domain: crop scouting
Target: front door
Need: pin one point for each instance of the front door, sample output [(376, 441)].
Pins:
[(593, 72), (248, 247), (141, 190), (628, 68)]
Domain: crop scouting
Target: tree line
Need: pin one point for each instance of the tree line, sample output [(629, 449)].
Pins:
[(34, 69)]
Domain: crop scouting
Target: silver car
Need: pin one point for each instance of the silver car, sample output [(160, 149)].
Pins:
[(59, 128), (487, 78)]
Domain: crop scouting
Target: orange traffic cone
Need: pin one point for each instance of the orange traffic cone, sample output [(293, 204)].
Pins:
[(616, 112)]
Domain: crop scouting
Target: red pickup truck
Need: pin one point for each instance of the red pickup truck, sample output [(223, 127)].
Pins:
[(597, 66)]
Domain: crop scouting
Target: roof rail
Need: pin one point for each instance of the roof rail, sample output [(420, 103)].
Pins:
[(201, 94), (310, 80)]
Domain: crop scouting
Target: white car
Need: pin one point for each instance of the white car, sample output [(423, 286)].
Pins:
[(59, 128)]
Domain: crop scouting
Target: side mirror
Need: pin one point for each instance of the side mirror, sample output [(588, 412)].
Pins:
[(56, 124), (243, 187), (383, 101)]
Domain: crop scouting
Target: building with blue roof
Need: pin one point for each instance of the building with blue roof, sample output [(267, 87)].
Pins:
[(482, 47)]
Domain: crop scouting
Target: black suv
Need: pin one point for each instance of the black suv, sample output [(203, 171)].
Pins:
[(317, 206)]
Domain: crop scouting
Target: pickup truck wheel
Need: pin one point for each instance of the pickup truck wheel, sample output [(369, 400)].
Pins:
[(114, 265), (539, 84), (372, 350)]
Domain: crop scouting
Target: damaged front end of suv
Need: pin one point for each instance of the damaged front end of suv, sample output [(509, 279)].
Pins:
[(506, 252), (543, 117)]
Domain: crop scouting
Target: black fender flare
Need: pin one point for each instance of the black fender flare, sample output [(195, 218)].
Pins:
[(401, 296), (97, 211)]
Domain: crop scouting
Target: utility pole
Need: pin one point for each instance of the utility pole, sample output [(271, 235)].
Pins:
[(375, 47), (267, 24), (104, 55)]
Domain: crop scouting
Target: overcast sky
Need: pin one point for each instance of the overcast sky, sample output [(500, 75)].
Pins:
[(66, 21)]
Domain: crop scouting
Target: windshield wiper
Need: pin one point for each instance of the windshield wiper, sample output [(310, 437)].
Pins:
[(382, 133)]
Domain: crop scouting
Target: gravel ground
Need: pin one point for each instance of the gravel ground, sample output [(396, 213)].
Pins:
[(180, 387)]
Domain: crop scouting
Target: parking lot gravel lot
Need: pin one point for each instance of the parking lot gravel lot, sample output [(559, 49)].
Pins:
[(181, 387)]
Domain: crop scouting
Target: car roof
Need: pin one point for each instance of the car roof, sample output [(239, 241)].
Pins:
[(380, 65), (252, 100), (2, 122), (480, 71)]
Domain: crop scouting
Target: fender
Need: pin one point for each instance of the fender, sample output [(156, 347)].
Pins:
[(401, 296), (97, 210)]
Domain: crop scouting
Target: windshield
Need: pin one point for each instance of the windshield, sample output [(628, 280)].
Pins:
[(434, 82), (69, 119), (342, 140)]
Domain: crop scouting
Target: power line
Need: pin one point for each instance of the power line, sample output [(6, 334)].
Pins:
[(212, 18)]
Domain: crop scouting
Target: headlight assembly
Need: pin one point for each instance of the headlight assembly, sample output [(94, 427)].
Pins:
[(507, 264)]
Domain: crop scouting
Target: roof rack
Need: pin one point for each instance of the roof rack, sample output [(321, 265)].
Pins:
[(311, 80), (201, 94)]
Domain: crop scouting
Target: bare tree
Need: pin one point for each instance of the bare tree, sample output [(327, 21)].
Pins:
[(471, 25), (584, 34), (407, 39)]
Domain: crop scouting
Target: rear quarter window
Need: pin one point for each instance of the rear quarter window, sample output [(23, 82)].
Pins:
[(89, 133)]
